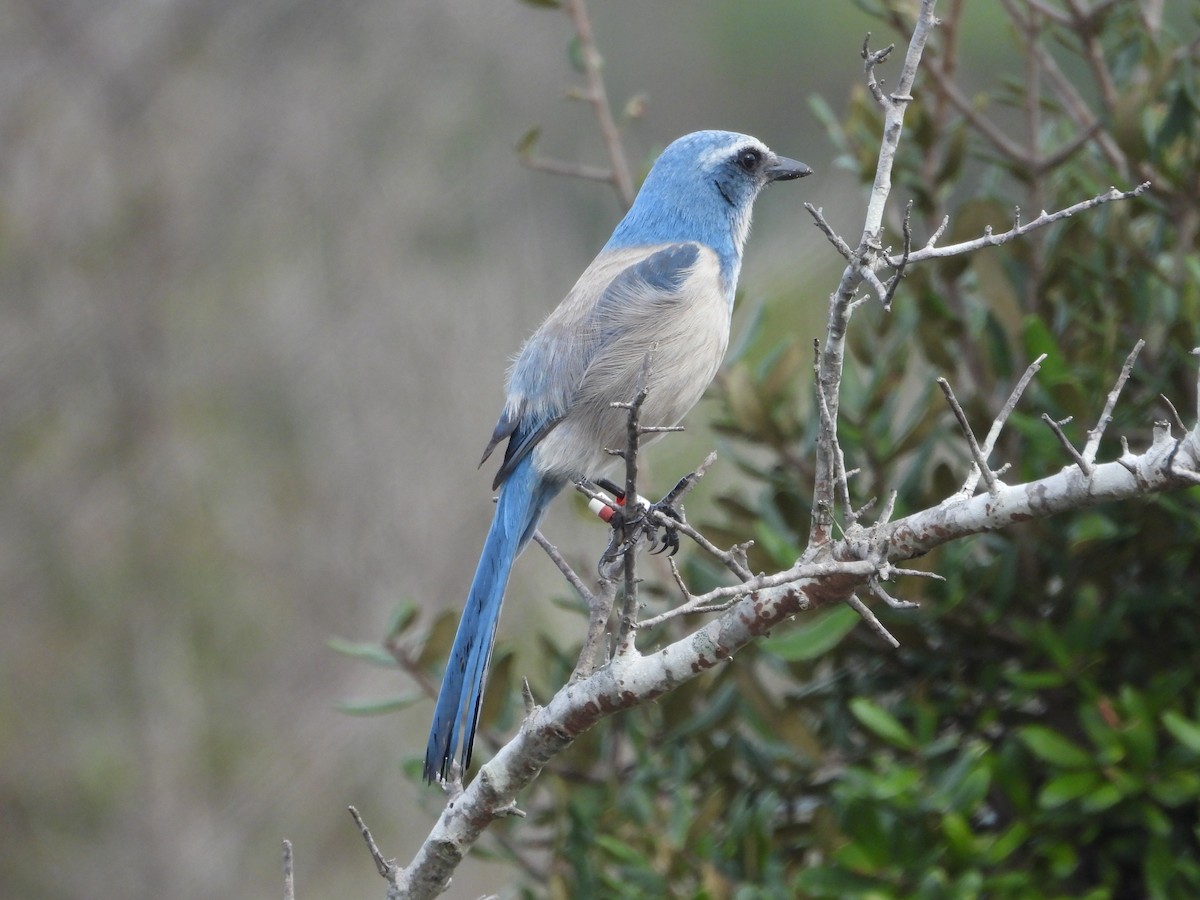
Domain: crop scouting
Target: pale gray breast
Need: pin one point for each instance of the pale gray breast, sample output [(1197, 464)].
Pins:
[(687, 334)]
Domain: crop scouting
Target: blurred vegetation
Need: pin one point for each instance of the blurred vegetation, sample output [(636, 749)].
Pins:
[(1038, 732)]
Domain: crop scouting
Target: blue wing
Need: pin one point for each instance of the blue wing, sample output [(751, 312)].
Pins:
[(619, 287)]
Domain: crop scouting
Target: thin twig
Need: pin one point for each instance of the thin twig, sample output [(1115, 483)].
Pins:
[(877, 590), (870, 60), (690, 606), (993, 434), (885, 515), (1093, 442), (595, 650), (289, 881), (833, 449), (633, 433), (842, 302), (563, 566), (989, 476), (1196, 352), (385, 868), (733, 559), (1056, 427), (894, 282), (991, 239), (836, 239), (567, 168), (597, 95), (869, 617), (1175, 417)]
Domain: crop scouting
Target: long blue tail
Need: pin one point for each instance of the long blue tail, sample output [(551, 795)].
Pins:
[(524, 496)]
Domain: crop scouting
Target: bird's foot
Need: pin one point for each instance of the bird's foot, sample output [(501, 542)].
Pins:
[(630, 522)]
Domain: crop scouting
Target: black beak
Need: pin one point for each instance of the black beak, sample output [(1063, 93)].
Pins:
[(784, 169)]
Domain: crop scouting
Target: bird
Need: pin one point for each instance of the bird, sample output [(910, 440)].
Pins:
[(663, 283)]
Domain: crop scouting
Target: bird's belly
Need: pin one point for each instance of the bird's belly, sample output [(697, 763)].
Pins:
[(683, 361)]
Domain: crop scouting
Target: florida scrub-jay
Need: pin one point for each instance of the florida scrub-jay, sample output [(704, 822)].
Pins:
[(665, 280)]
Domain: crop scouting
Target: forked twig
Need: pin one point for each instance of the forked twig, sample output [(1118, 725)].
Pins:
[(1093, 443), (993, 435), (989, 476)]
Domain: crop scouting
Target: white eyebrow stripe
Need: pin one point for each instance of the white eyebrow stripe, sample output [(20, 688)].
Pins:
[(723, 152)]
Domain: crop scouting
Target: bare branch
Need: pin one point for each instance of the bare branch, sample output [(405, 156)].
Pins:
[(989, 476), (385, 868), (1176, 420), (894, 281), (859, 267), (1130, 476), (1094, 436), (889, 507), (993, 434), (690, 606), (595, 650), (1075, 455), (869, 617), (834, 238), (563, 566), (289, 881), (991, 239), (877, 590), (829, 439), (871, 59), (569, 169), (597, 95)]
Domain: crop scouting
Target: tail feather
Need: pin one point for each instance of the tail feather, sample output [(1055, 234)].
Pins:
[(524, 496)]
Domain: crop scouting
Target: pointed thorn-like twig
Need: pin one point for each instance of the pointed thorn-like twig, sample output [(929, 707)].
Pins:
[(993, 435), (894, 281), (989, 476), (869, 617), (1183, 429), (385, 868), (836, 239), (1084, 466), (877, 590), (1093, 443), (564, 567)]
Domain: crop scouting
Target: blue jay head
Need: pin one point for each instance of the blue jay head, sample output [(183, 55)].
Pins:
[(735, 166), (702, 188)]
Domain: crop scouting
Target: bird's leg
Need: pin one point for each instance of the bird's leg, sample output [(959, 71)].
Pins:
[(637, 519), (610, 510)]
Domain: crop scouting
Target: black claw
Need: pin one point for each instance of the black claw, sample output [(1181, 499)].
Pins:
[(670, 536), (668, 542)]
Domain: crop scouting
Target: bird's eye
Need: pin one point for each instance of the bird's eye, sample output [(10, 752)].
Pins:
[(749, 160)]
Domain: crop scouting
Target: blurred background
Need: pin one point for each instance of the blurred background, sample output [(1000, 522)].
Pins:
[(262, 268)]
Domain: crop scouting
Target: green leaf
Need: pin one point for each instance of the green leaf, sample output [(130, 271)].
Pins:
[(527, 141), (403, 615), (815, 637), (830, 881), (378, 707), (1102, 798), (1091, 527), (575, 55), (1183, 730), (878, 720), (958, 834), (1068, 787), (371, 653), (1054, 748), (1007, 843), (1036, 681), (619, 849)]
